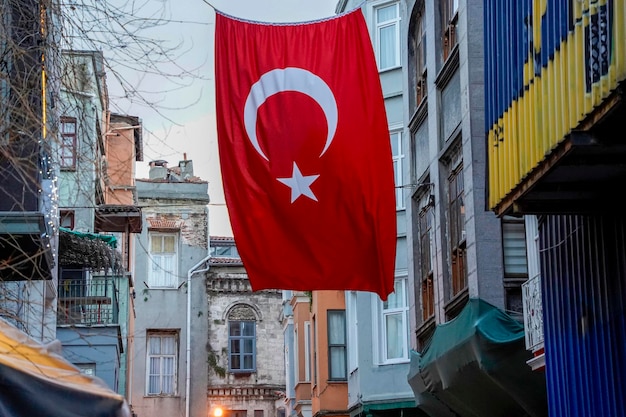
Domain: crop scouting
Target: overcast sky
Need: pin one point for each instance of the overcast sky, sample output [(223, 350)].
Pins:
[(185, 120)]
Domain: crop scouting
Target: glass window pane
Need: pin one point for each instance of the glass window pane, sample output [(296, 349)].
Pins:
[(387, 46), (235, 328), (169, 243), (169, 345), (248, 328), (248, 346), (336, 328), (235, 362), (337, 362), (155, 244), (235, 346), (386, 13), (248, 362), (394, 336)]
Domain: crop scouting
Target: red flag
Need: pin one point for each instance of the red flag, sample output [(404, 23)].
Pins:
[(305, 154)]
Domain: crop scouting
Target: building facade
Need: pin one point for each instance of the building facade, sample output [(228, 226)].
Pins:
[(169, 340), (467, 266), (555, 78), (246, 365), (95, 309), (378, 333), (28, 174)]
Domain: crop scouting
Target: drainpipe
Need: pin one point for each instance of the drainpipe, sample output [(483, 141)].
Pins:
[(193, 270)]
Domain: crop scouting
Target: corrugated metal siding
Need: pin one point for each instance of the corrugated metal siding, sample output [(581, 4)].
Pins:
[(548, 63), (584, 305)]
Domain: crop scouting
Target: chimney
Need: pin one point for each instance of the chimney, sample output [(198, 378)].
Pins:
[(186, 168), (158, 170)]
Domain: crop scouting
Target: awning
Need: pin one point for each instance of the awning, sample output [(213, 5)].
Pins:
[(37, 382), (475, 365)]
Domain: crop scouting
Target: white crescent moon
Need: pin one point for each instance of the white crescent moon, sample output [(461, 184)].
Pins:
[(289, 79)]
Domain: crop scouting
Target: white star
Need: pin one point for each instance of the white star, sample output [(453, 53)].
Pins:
[(299, 184)]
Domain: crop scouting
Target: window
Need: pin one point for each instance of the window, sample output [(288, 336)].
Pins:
[(456, 209), (224, 251), (66, 219), (87, 368), (162, 352), (426, 269), (163, 271), (353, 340), (515, 262), (314, 356), (395, 324), (398, 158), (337, 352), (387, 18), (417, 59), (241, 346), (449, 20), (307, 351), (67, 145)]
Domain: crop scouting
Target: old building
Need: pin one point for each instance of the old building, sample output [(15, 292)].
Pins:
[(246, 365), (28, 198), (169, 340)]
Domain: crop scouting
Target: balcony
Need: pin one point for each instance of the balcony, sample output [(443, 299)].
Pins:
[(88, 302)]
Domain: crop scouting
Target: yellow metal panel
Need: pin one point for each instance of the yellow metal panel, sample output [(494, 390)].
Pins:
[(559, 95)]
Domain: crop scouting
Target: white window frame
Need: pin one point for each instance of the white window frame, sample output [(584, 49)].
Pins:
[(381, 329), (353, 323), (160, 356), (395, 135), (170, 276), (378, 26), (307, 351)]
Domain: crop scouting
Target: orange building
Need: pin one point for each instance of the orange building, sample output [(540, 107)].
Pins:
[(325, 354)]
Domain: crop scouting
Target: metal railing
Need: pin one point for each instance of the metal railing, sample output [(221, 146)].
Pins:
[(533, 313), (88, 302)]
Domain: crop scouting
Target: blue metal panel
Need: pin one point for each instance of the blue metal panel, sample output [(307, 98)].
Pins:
[(584, 299)]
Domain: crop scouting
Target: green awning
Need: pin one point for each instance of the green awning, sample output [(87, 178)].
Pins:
[(108, 239), (475, 365)]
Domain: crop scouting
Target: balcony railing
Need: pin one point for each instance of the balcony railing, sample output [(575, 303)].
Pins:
[(533, 313), (88, 302)]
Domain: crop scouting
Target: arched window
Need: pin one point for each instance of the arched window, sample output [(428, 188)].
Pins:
[(241, 339)]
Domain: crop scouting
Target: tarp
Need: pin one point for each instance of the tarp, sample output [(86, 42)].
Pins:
[(108, 239), (475, 365), (34, 381)]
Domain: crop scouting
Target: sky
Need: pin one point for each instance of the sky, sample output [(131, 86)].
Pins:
[(182, 121)]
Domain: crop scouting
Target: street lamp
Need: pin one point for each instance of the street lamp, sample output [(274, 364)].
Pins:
[(216, 411)]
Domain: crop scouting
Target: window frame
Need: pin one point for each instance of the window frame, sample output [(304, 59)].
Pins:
[(340, 346), (242, 354), (457, 235), (307, 351), (353, 336), (67, 216), (162, 334), (379, 25), (449, 10), (513, 281), (170, 278), (426, 236), (398, 166), (418, 55), (64, 144), (403, 311)]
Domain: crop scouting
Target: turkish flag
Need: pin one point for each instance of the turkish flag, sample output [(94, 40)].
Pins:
[(305, 154)]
